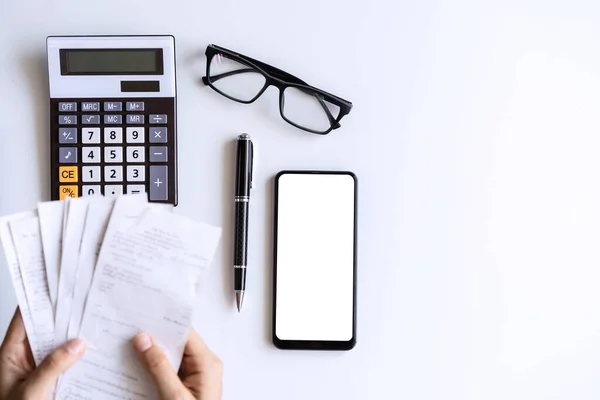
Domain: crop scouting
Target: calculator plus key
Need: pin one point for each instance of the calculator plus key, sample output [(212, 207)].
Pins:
[(67, 155), (158, 135), (159, 181), (67, 135)]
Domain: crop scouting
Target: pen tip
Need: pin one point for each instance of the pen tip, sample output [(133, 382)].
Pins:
[(239, 298)]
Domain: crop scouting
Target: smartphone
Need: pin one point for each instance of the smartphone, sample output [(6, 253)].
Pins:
[(314, 280)]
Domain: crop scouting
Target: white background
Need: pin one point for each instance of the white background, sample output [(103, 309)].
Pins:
[(476, 140)]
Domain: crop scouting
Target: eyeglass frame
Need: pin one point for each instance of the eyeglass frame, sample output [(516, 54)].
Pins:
[(281, 80)]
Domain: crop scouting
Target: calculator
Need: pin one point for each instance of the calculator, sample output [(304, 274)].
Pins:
[(113, 122)]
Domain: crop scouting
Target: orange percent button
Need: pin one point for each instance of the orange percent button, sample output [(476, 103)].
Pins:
[(68, 174), (68, 191)]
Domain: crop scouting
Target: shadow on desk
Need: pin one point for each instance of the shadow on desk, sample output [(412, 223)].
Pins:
[(35, 67), (227, 234)]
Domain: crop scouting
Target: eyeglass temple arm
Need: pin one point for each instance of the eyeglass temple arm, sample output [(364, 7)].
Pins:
[(215, 78)]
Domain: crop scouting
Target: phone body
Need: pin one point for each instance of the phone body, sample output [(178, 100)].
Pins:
[(315, 260)]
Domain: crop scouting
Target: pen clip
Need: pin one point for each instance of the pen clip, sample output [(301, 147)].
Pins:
[(251, 164)]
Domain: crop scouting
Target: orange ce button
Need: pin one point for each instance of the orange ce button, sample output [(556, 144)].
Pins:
[(68, 174)]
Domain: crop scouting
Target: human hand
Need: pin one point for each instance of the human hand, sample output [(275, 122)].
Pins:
[(19, 378), (200, 376)]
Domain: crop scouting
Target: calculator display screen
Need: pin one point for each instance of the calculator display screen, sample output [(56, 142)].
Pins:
[(111, 61)]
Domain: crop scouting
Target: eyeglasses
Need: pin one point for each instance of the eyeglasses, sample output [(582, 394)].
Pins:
[(244, 79)]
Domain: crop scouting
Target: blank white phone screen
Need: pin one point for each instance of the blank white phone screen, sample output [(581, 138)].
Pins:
[(315, 257)]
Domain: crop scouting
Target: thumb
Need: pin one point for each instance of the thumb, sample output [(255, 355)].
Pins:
[(158, 366), (45, 375)]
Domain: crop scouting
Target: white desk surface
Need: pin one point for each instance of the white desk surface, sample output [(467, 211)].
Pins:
[(475, 136)]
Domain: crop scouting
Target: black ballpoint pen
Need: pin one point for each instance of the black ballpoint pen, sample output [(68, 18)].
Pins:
[(243, 184)]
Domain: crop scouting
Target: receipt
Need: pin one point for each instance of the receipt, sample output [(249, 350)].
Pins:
[(10, 253), (28, 245), (51, 226), (145, 280), (74, 228), (98, 215)]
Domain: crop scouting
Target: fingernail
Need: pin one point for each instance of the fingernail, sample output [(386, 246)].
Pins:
[(142, 342), (75, 346)]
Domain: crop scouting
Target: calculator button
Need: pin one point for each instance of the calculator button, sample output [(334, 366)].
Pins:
[(90, 119), (113, 106), (135, 154), (90, 174), (134, 106), (113, 135), (67, 155), (113, 119), (113, 190), (158, 154), (158, 118), (68, 191), (90, 135), (91, 155), (135, 189), (91, 190), (68, 174), (158, 135), (67, 119), (135, 135), (159, 182), (113, 174), (67, 106), (135, 118), (67, 135), (88, 106), (113, 154), (136, 173)]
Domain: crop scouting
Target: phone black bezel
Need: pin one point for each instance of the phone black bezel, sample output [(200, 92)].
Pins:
[(314, 344)]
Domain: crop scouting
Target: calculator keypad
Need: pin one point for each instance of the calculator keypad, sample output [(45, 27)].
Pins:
[(114, 147)]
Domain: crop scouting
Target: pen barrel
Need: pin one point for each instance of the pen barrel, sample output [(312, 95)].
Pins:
[(239, 279), (240, 243)]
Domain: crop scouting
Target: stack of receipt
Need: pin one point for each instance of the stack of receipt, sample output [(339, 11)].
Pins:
[(105, 269)]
